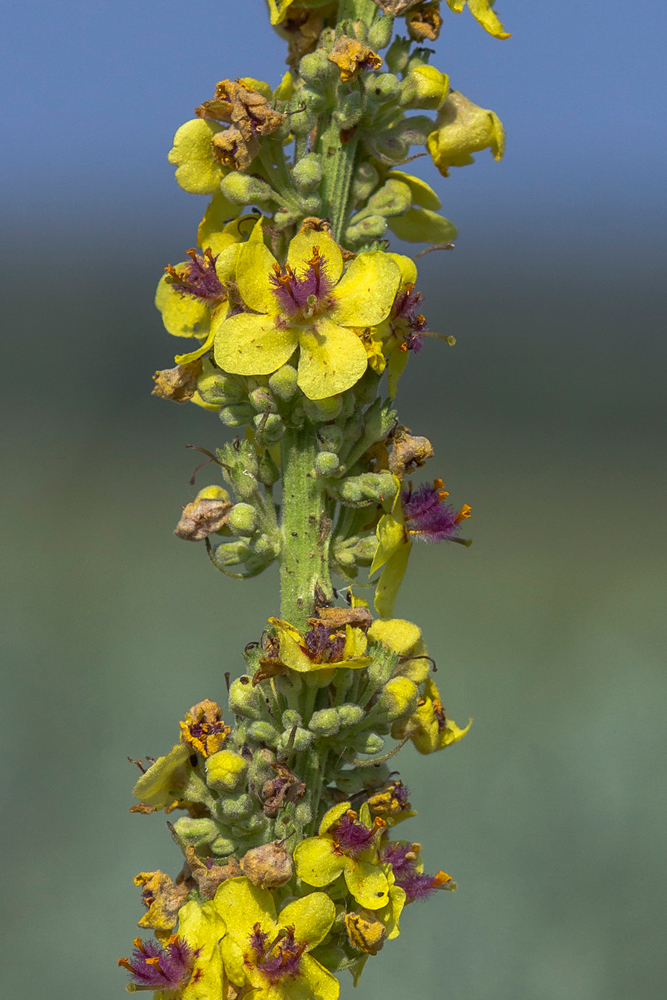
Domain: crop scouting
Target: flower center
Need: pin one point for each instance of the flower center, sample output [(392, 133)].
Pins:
[(280, 960), (302, 296), (322, 646), (352, 837), (155, 968), (200, 279)]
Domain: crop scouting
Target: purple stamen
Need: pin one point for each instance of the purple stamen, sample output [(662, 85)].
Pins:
[(302, 295), (415, 884), (352, 837), (283, 959), (156, 968), (427, 517), (322, 646), (200, 279)]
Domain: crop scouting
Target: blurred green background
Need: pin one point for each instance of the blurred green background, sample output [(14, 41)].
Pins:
[(548, 417)]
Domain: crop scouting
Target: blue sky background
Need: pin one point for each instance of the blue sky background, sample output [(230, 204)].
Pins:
[(92, 93)]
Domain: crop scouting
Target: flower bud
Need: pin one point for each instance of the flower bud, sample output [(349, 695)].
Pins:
[(369, 487), (316, 69), (398, 698), (463, 128), (326, 463), (320, 410), (262, 400), (223, 845), (242, 189), (381, 31), (385, 87), (367, 743), (243, 519), (286, 217), (303, 813), (398, 54), (195, 831), (237, 806), (424, 87), (268, 472), (366, 179), (219, 389), (269, 428), (225, 770), (237, 415), (307, 172), (326, 722), (350, 715), (232, 553), (264, 732), (283, 382), (291, 718), (267, 866), (393, 198), (373, 227), (349, 110), (301, 740), (329, 437), (244, 699)]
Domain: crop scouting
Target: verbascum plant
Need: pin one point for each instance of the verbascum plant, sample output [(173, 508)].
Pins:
[(295, 309)]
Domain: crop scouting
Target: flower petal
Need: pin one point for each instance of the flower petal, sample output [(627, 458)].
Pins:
[(198, 170), (246, 344), (399, 635), (317, 863), (182, 315), (311, 917), (390, 580), (332, 359), (332, 816), (365, 294), (301, 250), (232, 958), (323, 984), (253, 272), (241, 905), (368, 884), (407, 267)]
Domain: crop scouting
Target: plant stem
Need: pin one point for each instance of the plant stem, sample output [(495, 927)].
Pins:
[(306, 528)]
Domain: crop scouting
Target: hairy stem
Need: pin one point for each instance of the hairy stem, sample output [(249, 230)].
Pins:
[(306, 528)]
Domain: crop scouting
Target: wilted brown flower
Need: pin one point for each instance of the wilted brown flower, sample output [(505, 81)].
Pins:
[(163, 898), (268, 866), (209, 875), (204, 729), (249, 115), (408, 452), (351, 56), (424, 22), (202, 517), (178, 384)]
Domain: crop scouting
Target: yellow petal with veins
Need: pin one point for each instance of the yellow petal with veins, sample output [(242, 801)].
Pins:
[(247, 344), (301, 251), (365, 294), (311, 917), (254, 268), (332, 359), (242, 905), (322, 984)]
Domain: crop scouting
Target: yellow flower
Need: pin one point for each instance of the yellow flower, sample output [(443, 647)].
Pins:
[(346, 845), (311, 304), (203, 929), (429, 728), (198, 170), (482, 11), (323, 648), (463, 128), (164, 780), (268, 951)]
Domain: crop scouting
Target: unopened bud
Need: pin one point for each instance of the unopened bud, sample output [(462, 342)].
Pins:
[(264, 732), (349, 110), (350, 715), (398, 54), (393, 198), (424, 87), (267, 866), (326, 463), (299, 741), (270, 428), (195, 831), (380, 33), (308, 171), (367, 743), (225, 770), (316, 69), (373, 227), (242, 189), (398, 698), (326, 722), (232, 553), (369, 487), (329, 438), (220, 389), (262, 400), (283, 382), (243, 519), (235, 807), (245, 700), (237, 415), (320, 410), (291, 718)]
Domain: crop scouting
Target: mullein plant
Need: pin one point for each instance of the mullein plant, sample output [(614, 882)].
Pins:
[(286, 807)]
